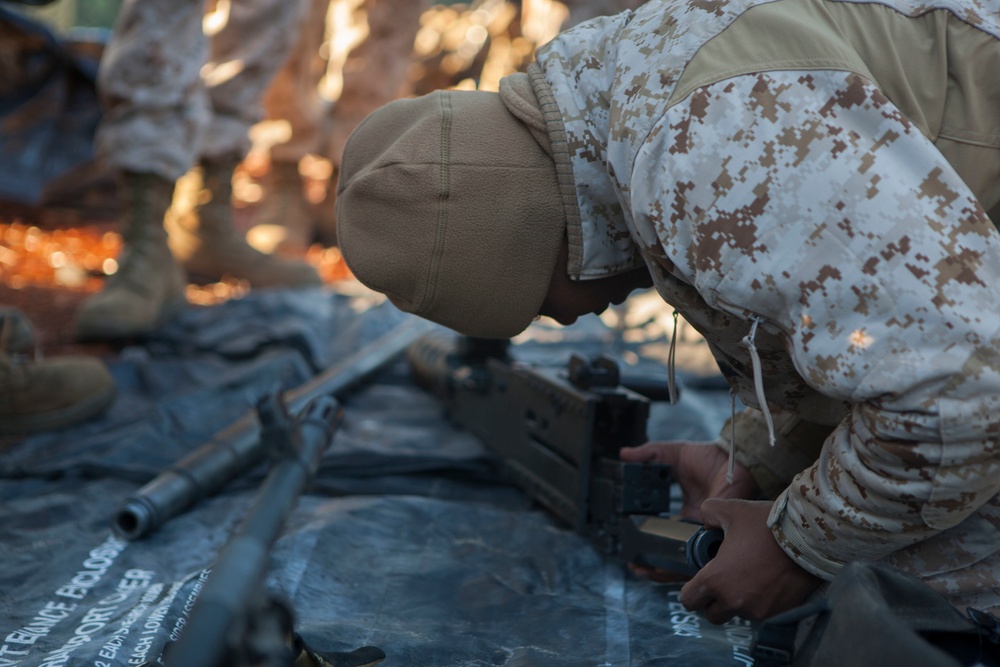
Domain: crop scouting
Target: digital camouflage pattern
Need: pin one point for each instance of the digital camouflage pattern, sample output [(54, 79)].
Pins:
[(807, 202), (173, 94)]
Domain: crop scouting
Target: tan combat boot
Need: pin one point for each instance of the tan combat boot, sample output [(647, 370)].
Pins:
[(204, 240), (148, 287), (51, 393), (45, 394), (284, 221)]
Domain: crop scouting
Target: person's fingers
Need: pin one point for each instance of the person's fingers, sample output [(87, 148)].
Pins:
[(695, 595), (646, 453), (718, 613), (653, 452), (698, 595)]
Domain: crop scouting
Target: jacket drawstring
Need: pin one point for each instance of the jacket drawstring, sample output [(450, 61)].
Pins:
[(671, 365), (758, 385), (758, 379)]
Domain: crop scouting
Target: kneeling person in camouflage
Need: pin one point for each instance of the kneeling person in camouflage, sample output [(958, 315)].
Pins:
[(806, 182)]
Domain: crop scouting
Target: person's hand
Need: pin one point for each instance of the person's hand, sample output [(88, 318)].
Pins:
[(700, 469), (751, 576)]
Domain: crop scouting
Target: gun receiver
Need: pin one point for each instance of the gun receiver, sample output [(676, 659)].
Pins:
[(558, 434)]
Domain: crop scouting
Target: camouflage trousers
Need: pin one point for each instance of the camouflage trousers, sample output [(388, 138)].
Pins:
[(182, 80), (961, 563)]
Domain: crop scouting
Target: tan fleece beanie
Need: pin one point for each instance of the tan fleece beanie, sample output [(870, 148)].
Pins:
[(449, 205)]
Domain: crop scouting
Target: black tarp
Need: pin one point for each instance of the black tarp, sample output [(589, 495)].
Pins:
[(408, 540), (48, 114)]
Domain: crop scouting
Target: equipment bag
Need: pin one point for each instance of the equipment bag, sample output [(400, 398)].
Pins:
[(872, 615)]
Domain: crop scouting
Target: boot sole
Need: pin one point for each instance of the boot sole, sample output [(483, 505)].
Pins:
[(203, 268), (57, 419), (97, 333)]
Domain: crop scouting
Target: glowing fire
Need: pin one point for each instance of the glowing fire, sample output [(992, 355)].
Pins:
[(79, 258)]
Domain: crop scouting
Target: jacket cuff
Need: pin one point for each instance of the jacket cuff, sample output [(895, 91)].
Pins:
[(793, 540)]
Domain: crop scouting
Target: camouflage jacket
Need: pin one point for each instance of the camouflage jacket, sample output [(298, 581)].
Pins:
[(808, 181)]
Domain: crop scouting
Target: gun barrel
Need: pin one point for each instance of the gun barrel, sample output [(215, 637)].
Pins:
[(241, 566), (236, 448), (226, 455)]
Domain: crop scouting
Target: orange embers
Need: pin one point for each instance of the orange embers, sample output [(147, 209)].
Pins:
[(75, 258), (78, 258), (329, 262)]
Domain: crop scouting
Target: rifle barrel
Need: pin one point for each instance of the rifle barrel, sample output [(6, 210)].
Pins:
[(236, 448), (232, 588)]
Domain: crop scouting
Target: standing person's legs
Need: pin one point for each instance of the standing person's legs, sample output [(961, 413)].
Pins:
[(156, 108), (250, 39), (156, 111), (375, 72), (252, 43), (378, 68), (294, 99)]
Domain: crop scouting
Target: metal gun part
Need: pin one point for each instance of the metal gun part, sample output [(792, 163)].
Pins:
[(670, 544), (236, 448), (557, 435), (231, 598)]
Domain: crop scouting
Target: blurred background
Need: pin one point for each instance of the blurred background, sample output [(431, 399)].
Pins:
[(58, 232)]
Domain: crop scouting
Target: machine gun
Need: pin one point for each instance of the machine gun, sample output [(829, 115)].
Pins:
[(233, 622), (558, 434), (238, 447)]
